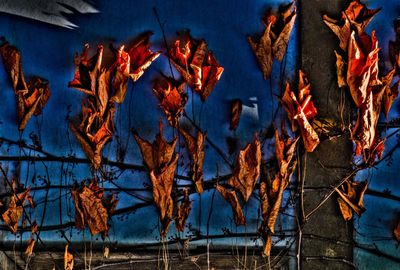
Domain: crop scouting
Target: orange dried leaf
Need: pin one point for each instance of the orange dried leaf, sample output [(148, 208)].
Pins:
[(183, 211), (340, 70), (90, 210), (32, 97), (391, 93), (247, 169), (172, 98), (158, 154), (15, 208), (196, 150), (351, 198), (162, 182), (197, 65), (68, 260), (231, 197), (30, 246)]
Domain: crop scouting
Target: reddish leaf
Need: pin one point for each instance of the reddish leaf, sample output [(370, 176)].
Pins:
[(301, 110), (247, 169), (351, 198), (197, 65), (172, 97), (132, 64), (231, 197), (196, 150), (183, 211), (273, 42)]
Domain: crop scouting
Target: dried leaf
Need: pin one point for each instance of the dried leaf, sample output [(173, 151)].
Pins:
[(236, 111), (32, 97), (68, 260), (172, 97), (197, 65), (301, 110), (231, 197), (131, 64), (90, 210), (183, 211), (162, 186), (15, 208), (357, 15), (94, 131), (247, 169), (158, 154), (196, 150), (351, 198), (391, 93), (271, 191), (274, 41), (106, 252), (86, 70)]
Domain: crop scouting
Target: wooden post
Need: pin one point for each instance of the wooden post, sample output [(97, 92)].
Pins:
[(331, 161)]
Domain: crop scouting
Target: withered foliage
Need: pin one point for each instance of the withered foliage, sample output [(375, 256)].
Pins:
[(351, 195), (31, 242), (357, 16), (31, 96), (196, 151), (68, 260), (132, 63), (301, 110), (236, 111), (370, 92), (197, 64), (275, 38), (231, 197), (91, 209), (161, 162), (183, 211), (104, 86), (271, 189), (172, 97), (247, 169), (12, 212)]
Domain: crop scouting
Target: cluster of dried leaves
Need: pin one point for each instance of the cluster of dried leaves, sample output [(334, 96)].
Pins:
[(92, 209), (358, 70), (196, 64), (31, 96), (301, 110), (275, 38), (271, 188), (105, 85), (244, 178)]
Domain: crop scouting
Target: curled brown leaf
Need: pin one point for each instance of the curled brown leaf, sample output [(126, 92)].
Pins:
[(183, 211), (351, 198), (231, 197)]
